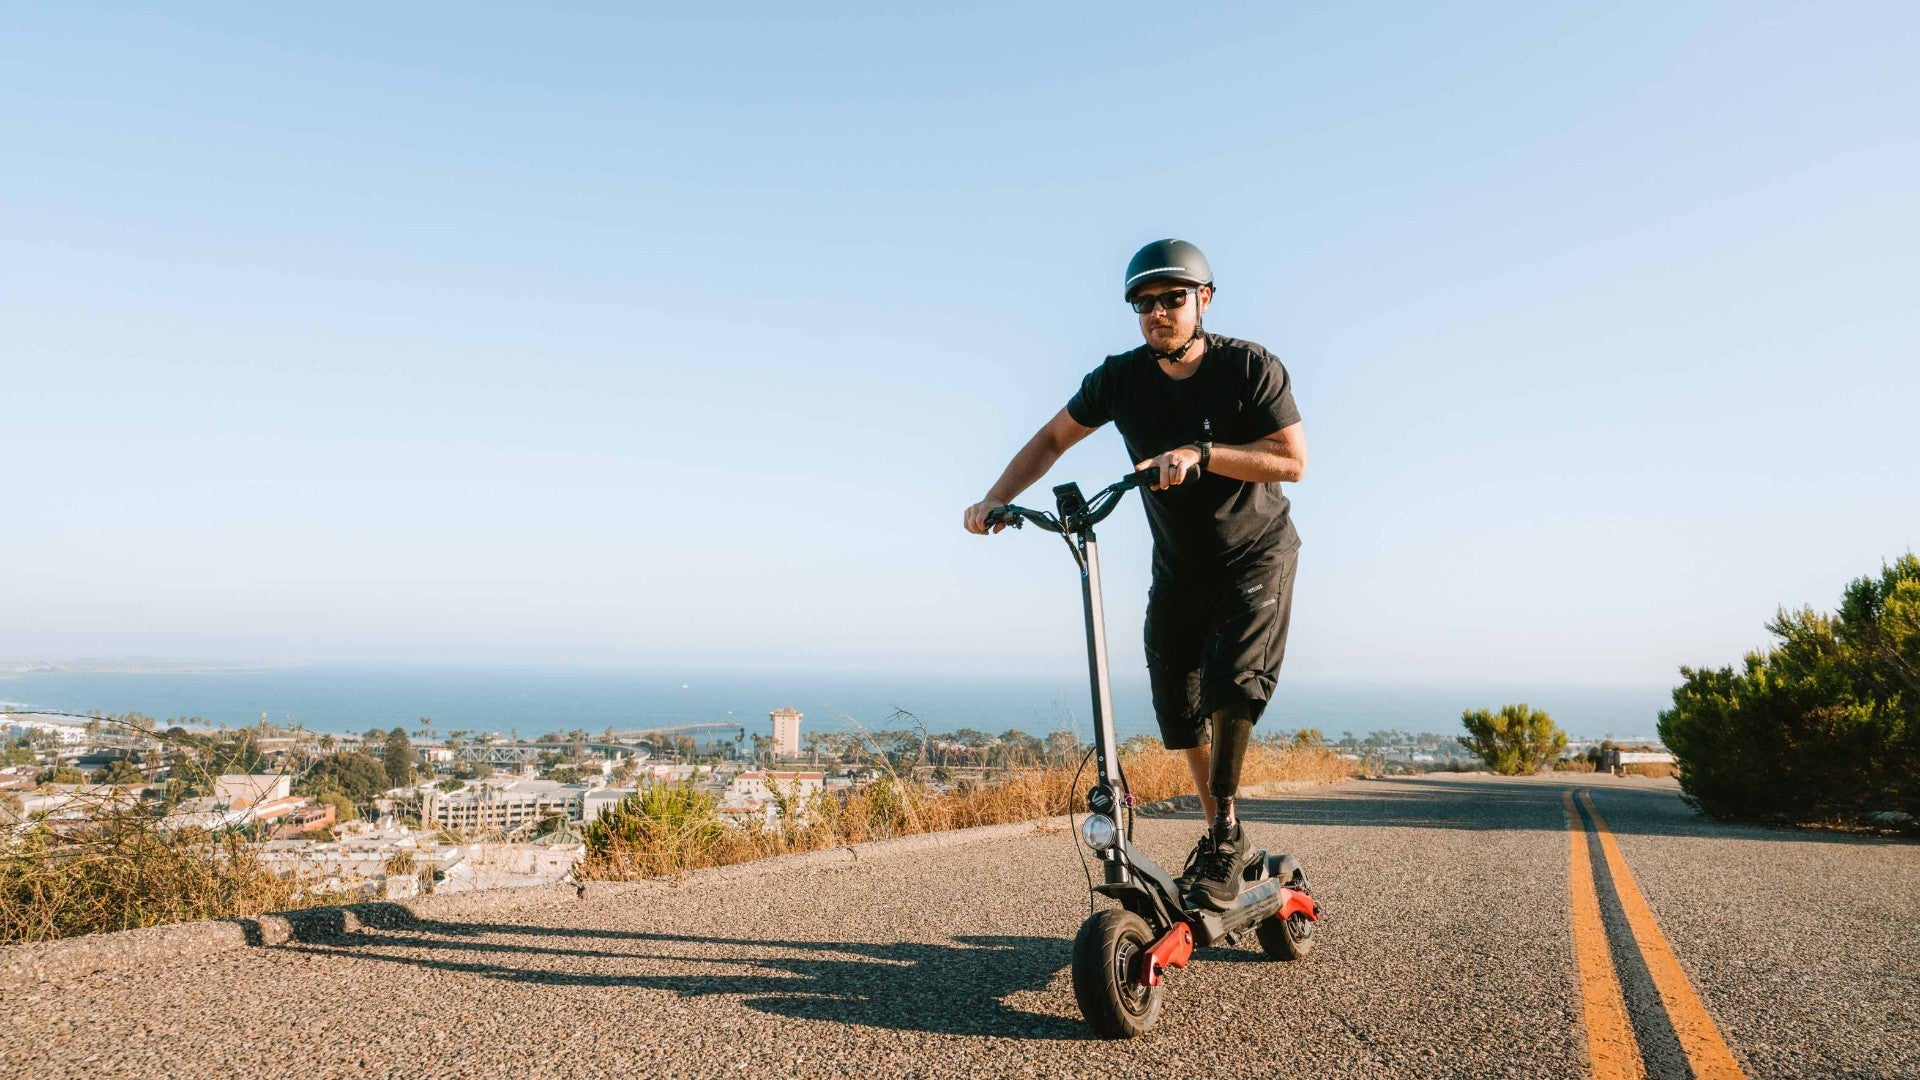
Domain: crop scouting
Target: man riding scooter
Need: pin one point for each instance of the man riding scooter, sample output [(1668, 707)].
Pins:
[(1215, 415)]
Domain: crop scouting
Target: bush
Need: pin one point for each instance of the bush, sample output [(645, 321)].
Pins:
[(119, 869), (109, 861), (657, 831), (1823, 726), (1517, 740), (343, 808), (1574, 765)]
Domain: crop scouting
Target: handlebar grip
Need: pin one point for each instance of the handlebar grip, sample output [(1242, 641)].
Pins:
[(1003, 515)]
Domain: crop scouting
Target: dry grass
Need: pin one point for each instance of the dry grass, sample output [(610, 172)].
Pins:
[(117, 869), (105, 861), (672, 829)]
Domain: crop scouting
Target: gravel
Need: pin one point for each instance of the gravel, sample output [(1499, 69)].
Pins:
[(1445, 953)]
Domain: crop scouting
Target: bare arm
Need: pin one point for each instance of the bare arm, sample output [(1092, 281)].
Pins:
[(1281, 456), (1027, 466), (1035, 458)]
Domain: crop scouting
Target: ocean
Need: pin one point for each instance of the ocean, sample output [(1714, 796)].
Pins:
[(352, 700)]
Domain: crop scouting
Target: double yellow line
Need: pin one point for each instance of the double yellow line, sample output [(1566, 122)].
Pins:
[(1611, 1046)]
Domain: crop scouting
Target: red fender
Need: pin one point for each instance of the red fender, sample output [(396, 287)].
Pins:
[(1295, 902), (1173, 950)]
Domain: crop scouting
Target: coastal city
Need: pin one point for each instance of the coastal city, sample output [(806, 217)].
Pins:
[(393, 814)]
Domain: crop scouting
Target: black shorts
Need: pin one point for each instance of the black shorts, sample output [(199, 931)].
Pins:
[(1215, 640)]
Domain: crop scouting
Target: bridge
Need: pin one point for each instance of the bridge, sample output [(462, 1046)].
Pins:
[(520, 754)]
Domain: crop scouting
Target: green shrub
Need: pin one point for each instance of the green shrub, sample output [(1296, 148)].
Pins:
[(658, 830), (343, 808), (1517, 740), (1825, 725)]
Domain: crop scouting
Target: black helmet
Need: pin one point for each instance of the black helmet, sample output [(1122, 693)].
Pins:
[(1167, 260)]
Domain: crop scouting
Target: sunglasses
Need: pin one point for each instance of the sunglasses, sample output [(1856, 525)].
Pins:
[(1169, 300)]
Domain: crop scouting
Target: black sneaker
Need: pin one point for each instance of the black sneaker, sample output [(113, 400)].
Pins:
[(1218, 885), (1183, 884)]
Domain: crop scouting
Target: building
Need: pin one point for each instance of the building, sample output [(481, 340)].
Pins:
[(206, 813), (599, 801), (241, 790), (305, 819), (19, 778), (786, 731), (757, 787), (69, 733), (675, 773), (272, 810), (485, 808)]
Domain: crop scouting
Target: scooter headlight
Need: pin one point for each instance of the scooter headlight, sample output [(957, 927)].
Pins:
[(1099, 832)]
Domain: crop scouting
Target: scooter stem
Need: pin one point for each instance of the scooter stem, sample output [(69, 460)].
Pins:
[(1104, 740)]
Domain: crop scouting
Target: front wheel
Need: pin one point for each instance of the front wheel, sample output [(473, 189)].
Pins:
[(1290, 938), (1108, 980)]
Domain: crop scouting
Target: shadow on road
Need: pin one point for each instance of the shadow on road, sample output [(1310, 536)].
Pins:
[(958, 988), (1424, 803)]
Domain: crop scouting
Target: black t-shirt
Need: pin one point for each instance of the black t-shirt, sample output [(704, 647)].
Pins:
[(1239, 394)]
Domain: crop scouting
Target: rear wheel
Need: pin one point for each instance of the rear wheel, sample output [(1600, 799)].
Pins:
[(1108, 975), (1290, 938)]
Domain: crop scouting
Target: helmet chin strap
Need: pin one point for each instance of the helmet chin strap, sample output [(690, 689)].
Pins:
[(1179, 355)]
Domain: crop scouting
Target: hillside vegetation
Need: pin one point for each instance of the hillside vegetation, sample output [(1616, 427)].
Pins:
[(1822, 727), (673, 828)]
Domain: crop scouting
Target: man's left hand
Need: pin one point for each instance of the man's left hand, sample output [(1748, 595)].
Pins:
[(1176, 466)]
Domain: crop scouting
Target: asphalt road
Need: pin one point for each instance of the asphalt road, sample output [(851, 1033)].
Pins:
[(1450, 949)]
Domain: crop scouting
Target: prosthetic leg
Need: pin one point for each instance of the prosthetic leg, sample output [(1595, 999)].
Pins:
[(1225, 856)]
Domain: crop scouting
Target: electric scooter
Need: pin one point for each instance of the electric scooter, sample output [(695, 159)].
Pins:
[(1122, 955)]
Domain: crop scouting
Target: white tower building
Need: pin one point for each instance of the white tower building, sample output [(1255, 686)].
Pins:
[(786, 731)]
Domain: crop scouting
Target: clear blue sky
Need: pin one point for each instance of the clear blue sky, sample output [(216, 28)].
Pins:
[(519, 333)]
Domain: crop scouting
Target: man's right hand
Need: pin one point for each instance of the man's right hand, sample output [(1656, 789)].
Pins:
[(976, 519)]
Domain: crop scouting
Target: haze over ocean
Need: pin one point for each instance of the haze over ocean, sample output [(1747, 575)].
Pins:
[(352, 700)]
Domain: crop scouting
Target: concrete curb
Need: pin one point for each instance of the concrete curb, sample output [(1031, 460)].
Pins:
[(871, 851), (73, 958)]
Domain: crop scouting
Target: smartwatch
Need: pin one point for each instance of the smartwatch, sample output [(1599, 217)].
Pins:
[(1206, 454)]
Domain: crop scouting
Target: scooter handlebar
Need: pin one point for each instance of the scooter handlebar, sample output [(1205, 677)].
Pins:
[(1016, 515), (1098, 507)]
